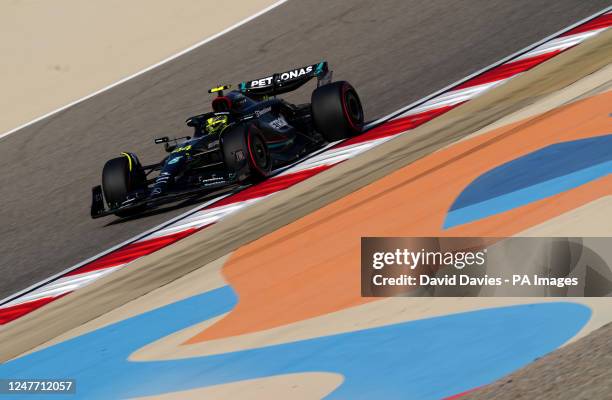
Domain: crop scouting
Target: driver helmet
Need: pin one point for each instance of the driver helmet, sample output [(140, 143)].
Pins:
[(216, 124), (238, 100)]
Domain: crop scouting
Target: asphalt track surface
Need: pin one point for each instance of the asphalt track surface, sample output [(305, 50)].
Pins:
[(394, 52), (581, 370)]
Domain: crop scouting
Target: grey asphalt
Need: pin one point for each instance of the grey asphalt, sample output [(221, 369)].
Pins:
[(579, 371), (394, 52)]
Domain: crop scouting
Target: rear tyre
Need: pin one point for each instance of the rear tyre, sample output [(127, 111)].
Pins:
[(336, 111), (121, 176)]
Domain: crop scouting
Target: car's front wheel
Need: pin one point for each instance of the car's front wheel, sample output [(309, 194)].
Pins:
[(260, 161), (121, 176), (246, 153)]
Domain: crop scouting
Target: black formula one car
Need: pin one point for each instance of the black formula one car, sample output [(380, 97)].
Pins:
[(249, 133)]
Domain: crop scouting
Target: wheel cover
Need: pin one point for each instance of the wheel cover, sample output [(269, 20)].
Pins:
[(354, 111), (259, 153)]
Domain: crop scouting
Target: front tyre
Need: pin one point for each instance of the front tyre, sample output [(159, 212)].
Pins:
[(121, 176), (260, 162), (336, 111), (246, 153)]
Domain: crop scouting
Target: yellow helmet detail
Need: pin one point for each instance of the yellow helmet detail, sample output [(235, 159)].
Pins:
[(216, 124)]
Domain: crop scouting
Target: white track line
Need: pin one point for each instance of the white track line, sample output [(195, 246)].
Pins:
[(64, 285), (164, 61), (561, 43), (403, 110), (454, 97)]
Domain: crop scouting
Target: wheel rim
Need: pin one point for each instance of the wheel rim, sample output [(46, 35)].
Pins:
[(259, 152), (353, 108)]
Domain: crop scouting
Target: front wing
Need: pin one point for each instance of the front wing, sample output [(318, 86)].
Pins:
[(99, 209)]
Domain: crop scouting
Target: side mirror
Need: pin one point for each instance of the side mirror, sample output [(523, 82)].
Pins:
[(166, 141)]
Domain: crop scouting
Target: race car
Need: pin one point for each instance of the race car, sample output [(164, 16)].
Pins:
[(249, 134)]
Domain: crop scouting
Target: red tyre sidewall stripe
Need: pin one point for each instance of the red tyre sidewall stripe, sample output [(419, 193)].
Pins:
[(345, 89), (252, 158)]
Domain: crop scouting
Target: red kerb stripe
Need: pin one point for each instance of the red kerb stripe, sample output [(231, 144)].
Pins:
[(508, 70), (272, 185), (396, 126), (131, 252), (9, 314), (600, 22)]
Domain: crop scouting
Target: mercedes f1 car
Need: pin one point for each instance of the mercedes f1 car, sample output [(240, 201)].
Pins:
[(249, 134)]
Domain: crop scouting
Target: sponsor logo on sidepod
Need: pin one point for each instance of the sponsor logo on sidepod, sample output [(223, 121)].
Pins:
[(259, 113)]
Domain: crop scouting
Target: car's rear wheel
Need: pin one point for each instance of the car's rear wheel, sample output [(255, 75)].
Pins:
[(121, 176), (337, 111)]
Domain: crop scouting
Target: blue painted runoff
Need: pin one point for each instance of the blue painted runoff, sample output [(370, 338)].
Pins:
[(424, 359), (551, 170)]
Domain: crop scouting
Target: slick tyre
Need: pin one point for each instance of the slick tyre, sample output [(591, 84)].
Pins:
[(246, 153), (260, 162), (336, 111), (120, 176)]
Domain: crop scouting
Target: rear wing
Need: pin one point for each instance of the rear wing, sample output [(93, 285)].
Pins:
[(286, 81)]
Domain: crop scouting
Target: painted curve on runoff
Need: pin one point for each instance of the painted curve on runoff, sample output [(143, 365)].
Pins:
[(551, 170), (424, 359)]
